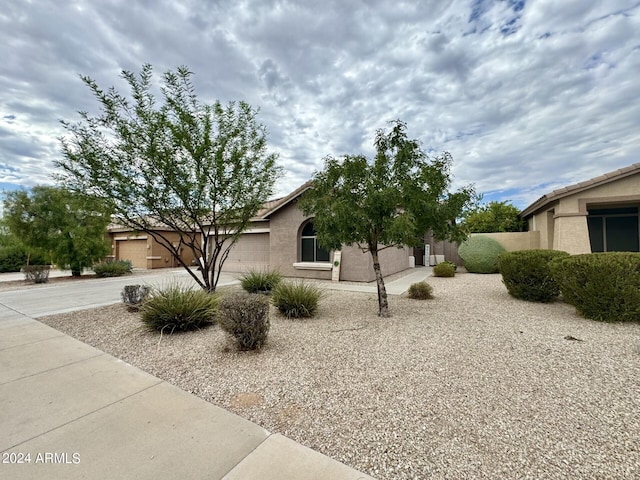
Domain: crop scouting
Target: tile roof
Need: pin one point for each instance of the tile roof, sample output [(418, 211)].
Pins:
[(268, 208), (545, 200), (281, 202)]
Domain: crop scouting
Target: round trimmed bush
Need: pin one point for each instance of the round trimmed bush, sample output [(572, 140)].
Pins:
[(526, 274), (444, 269), (179, 308), (601, 286), (420, 291), (480, 254), (245, 317), (296, 299)]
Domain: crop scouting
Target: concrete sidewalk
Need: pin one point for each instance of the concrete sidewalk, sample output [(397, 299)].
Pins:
[(395, 287), (68, 410)]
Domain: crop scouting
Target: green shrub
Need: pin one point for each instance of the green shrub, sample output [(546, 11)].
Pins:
[(526, 274), (453, 265), (259, 281), (115, 268), (296, 299), (420, 291), (134, 295), (602, 286), (480, 254), (245, 317), (13, 258), (179, 308), (444, 269), (36, 273)]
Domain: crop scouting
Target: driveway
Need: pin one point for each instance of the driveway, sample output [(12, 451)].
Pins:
[(89, 293)]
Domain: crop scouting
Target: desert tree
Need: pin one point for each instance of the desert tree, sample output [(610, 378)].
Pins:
[(202, 170), (65, 226), (494, 217), (389, 202)]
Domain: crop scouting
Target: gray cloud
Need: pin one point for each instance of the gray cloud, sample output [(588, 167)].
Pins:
[(527, 96)]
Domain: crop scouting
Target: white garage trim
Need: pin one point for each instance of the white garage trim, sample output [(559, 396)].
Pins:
[(143, 237)]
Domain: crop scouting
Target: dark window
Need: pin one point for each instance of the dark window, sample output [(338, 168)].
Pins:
[(622, 234), (596, 233), (614, 229), (309, 248)]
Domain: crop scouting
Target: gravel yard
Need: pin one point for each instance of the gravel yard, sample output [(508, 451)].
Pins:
[(471, 384)]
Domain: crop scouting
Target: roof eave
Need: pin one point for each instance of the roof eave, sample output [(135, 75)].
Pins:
[(575, 188), (288, 199)]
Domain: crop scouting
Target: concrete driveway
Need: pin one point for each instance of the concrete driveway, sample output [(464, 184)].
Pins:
[(92, 292)]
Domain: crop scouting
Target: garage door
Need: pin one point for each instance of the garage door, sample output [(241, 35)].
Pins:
[(133, 250), (251, 252)]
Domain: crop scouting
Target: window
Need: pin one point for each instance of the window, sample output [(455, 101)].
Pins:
[(614, 229), (309, 248)]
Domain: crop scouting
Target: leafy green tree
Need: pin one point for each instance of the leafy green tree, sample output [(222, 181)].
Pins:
[(494, 217), (69, 227), (13, 254), (390, 202), (198, 169)]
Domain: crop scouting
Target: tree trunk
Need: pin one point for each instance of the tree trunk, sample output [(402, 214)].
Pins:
[(383, 303)]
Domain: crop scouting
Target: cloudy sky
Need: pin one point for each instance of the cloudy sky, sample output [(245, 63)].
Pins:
[(527, 95)]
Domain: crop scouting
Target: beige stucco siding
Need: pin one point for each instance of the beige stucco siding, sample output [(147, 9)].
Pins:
[(145, 252), (358, 266), (623, 190), (161, 257), (285, 227), (512, 241), (563, 224)]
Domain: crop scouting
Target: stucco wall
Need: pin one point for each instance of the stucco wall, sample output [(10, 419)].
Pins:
[(563, 225), (512, 241), (157, 256), (354, 266), (543, 222), (622, 190), (358, 266), (442, 248), (285, 248), (160, 257)]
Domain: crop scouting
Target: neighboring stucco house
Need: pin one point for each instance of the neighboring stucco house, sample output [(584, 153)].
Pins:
[(143, 250), (598, 215)]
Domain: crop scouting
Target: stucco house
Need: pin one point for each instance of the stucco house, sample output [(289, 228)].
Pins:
[(278, 238), (597, 215), (281, 238)]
